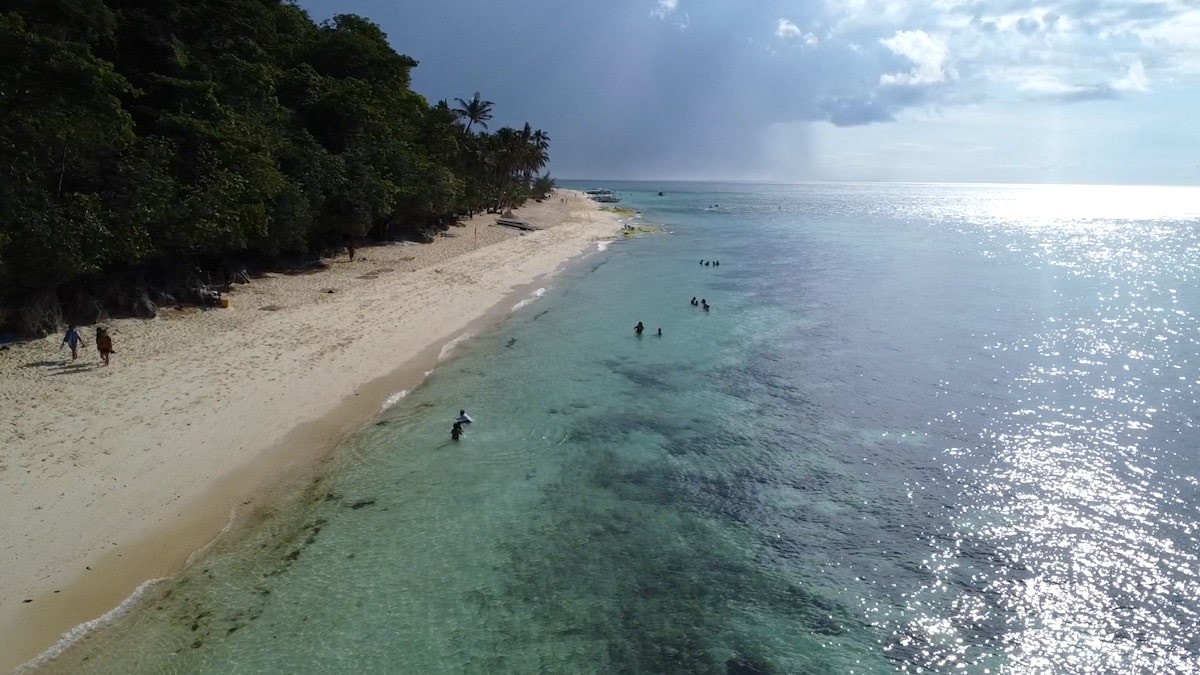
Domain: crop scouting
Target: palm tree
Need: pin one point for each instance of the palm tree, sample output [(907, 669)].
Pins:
[(475, 111), (532, 152), (542, 186), (539, 150)]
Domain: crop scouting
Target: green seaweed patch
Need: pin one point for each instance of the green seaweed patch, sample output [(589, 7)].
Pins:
[(620, 210), (635, 230)]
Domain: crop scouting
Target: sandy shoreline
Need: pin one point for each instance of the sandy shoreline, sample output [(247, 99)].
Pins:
[(115, 475)]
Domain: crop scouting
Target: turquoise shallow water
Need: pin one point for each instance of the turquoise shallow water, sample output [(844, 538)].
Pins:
[(923, 428)]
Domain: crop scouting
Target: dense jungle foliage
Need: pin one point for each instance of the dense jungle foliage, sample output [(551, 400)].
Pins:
[(151, 147)]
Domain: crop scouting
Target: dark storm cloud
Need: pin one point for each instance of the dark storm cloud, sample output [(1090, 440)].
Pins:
[(695, 88)]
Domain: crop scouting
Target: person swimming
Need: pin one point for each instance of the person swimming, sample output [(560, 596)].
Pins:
[(463, 417), (456, 431), (659, 333), (694, 303), (639, 328), (704, 304)]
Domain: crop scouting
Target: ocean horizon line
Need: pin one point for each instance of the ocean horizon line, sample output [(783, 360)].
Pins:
[(752, 182)]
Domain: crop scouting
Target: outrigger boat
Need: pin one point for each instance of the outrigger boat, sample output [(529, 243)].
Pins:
[(603, 196)]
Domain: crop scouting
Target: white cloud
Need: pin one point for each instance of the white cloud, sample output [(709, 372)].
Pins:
[(928, 55), (1135, 80), (788, 30), (1047, 84), (1051, 89), (665, 8)]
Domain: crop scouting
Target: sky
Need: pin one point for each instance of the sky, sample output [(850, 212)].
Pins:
[(1062, 91)]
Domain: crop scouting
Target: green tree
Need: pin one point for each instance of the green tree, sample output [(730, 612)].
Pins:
[(144, 135), (474, 111), (62, 129)]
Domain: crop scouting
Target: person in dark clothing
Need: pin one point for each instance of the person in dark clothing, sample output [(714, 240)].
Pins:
[(104, 344)]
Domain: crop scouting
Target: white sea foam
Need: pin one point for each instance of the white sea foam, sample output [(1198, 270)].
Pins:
[(527, 301), (79, 632), (602, 246), (393, 399), (452, 345)]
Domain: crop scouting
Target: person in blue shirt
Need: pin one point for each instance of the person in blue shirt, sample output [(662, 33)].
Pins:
[(73, 340)]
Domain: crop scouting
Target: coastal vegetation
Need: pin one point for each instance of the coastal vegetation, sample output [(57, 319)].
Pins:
[(153, 147)]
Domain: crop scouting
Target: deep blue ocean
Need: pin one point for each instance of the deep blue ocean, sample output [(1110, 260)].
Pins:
[(922, 428)]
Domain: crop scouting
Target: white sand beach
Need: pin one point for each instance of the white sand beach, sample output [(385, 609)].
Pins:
[(115, 475)]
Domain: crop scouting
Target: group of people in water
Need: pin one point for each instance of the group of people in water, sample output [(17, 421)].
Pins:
[(457, 430), (701, 303), (104, 343), (639, 329), (714, 263)]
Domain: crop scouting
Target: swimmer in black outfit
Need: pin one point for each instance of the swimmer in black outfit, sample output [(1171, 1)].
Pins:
[(704, 304), (639, 328), (694, 303), (456, 431), (659, 333)]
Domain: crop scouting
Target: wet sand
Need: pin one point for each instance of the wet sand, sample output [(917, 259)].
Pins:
[(116, 475)]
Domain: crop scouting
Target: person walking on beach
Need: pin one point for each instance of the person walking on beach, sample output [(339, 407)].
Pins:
[(73, 340), (639, 328), (104, 344)]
